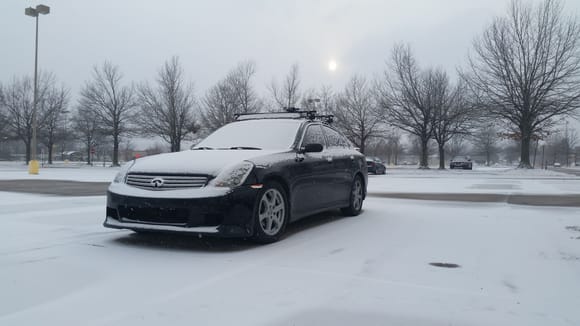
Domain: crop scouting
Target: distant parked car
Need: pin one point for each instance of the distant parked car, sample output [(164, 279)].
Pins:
[(376, 166), (557, 165), (461, 162)]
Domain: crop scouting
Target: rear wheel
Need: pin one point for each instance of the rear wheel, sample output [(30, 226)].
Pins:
[(270, 213), (356, 198)]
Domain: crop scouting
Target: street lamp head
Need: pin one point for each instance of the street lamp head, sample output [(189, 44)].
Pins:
[(42, 9), (30, 12)]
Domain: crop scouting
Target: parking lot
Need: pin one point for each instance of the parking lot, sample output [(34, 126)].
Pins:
[(60, 266)]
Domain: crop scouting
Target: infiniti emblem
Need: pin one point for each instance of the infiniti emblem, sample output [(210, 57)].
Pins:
[(157, 182)]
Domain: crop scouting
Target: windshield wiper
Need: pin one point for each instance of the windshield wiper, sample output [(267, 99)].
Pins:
[(202, 148), (245, 147)]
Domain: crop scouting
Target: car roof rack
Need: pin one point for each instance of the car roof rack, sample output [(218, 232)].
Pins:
[(288, 113)]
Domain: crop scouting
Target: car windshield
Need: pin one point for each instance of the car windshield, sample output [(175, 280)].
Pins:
[(252, 135)]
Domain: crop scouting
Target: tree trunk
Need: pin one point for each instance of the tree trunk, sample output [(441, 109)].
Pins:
[(28, 151), (362, 147), (442, 157), (525, 149), (89, 153), (424, 160), (487, 157), (175, 145), (50, 145), (115, 150)]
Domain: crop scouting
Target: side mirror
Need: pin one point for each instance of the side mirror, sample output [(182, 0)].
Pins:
[(312, 148)]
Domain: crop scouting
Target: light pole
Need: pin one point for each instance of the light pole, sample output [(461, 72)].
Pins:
[(34, 12)]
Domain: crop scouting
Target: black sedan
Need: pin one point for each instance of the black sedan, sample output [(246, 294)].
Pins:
[(461, 162), (376, 166), (249, 178)]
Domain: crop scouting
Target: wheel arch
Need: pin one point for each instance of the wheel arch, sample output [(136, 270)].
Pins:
[(280, 180)]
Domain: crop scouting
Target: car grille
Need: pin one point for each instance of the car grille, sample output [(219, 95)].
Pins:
[(157, 215), (166, 181)]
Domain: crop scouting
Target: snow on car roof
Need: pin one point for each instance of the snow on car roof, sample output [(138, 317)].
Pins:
[(273, 115), (258, 134)]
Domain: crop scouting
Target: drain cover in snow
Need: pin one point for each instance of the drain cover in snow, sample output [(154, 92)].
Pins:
[(445, 265)]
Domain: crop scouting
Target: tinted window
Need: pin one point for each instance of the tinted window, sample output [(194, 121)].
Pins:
[(335, 139), (314, 135)]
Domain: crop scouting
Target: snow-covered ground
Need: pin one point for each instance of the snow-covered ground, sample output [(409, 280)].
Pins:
[(73, 171), (480, 180), (519, 266)]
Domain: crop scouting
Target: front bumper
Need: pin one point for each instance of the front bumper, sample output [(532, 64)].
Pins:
[(226, 215)]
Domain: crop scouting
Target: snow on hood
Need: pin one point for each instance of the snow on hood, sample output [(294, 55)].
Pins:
[(209, 162)]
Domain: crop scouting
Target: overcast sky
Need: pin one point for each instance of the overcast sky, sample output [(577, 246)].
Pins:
[(210, 37)]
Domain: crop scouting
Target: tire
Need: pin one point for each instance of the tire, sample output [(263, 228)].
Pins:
[(356, 198), (271, 213)]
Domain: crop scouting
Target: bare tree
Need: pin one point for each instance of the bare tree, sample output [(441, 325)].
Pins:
[(233, 95), (453, 115), (241, 79), (54, 106), (527, 65), (406, 95), (287, 95), (357, 113), (86, 124), (167, 110), (456, 146), (112, 102), (485, 140), (325, 99), (18, 103), (569, 142), (3, 120)]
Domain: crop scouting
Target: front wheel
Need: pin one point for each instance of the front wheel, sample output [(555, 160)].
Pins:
[(356, 198), (270, 213)]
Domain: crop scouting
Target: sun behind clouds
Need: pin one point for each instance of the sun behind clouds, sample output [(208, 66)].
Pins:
[(332, 65)]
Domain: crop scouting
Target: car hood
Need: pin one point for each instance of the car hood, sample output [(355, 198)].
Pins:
[(209, 162)]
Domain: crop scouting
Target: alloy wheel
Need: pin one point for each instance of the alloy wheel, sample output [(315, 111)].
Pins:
[(271, 212), (357, 194)]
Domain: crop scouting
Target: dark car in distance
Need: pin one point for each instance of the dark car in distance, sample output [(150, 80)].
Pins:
[(461, 162), (249, 178), (375, 165)]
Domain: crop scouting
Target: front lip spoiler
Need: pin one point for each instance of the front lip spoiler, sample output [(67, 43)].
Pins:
[(112, 223)]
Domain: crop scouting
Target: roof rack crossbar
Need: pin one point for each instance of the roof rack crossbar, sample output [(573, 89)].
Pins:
[(299, 113)]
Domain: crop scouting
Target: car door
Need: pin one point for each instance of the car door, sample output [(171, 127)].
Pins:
[(311, 176), (342, 165)]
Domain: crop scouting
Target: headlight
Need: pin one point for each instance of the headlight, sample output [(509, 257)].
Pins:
[(120, 177), (233, 176)]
